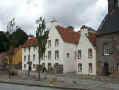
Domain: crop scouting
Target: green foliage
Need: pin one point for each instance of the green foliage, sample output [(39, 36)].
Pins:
[(18, 37), (42, 36), (4, 42)]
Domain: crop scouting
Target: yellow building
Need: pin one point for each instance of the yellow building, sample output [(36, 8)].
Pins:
[(17, 58)]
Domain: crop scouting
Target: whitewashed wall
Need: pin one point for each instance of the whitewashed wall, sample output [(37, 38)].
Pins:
[(53, 35), (63, 48), (33, 51), (84, 45)]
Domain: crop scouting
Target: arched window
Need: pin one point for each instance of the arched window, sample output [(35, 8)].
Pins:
[(56, 42), (79, 54), (90, 68), (90, 53), (79, 67)]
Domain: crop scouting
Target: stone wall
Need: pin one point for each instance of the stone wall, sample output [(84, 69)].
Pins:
[(113, 58)]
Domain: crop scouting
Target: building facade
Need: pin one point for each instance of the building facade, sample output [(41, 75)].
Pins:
[(30, 58), (17, 58), (107, 41), (86, 52), (61, 50), (66, 51)]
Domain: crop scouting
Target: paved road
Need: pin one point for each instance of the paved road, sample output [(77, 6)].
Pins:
[(21, 87)]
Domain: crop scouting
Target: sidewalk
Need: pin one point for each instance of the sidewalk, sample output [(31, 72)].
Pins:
[(41, 84), (62, 81)]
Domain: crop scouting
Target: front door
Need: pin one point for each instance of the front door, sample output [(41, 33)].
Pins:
[(106, 69)]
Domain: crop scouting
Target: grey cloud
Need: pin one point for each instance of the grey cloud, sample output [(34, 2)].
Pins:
[(68, 12)]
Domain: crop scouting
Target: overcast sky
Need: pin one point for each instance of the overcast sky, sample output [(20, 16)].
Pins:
[(66, 12)]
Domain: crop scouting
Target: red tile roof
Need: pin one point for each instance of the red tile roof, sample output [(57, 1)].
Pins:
[(74, 37), (68, 36), (92, 38), (31, 42)]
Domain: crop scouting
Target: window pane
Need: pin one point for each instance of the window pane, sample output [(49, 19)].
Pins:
[(56, 42), (49, 54), (79, 54), (56, 54), (90, 54), (79, 67), (90, 67)]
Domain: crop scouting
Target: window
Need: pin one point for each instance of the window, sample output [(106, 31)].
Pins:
[(68, 55), (24, 65), (34, 57), (49, 43), (56, 54), (28, 57), (49, 54), (107, 50), (117, 3), (117, 67), (90, 68), (90, 53), (24, 58), (79, 54), (34, 66), (79, 67), (56, 42)]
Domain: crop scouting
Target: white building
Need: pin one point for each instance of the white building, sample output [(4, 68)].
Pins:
[(30, 53), (63, 46), (60, 49), (86, 52), (66, 51)]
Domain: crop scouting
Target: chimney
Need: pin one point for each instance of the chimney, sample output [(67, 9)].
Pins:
[(84, 30), (71, 28), (53, 22)]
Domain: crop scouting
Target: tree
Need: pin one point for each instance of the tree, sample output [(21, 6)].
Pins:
[(42, 36), (4, 42), (18, 37), (11, 26)]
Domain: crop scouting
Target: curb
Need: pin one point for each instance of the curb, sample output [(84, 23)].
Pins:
[(38, 85)]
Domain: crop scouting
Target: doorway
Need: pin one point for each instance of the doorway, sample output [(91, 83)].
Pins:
[(106, 69)]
